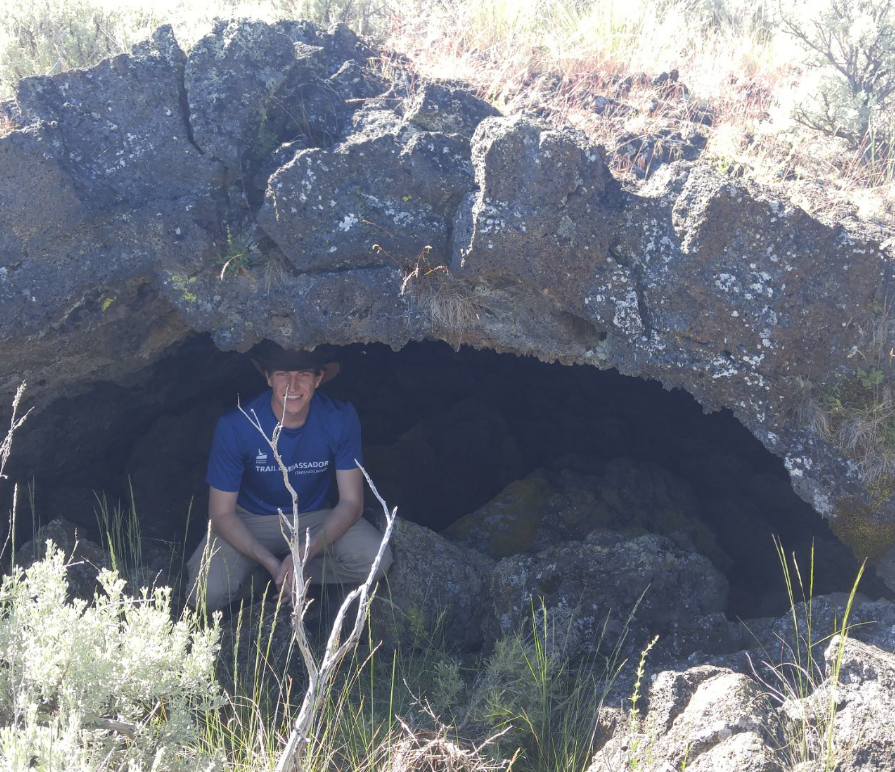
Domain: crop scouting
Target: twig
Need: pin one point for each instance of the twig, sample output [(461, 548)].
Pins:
[(5, 450), (14, 424), (319, 677), (320, 680)]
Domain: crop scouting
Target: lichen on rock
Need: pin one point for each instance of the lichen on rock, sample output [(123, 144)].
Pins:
[(130, 173)]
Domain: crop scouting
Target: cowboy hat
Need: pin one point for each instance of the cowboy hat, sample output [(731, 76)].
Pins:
[(268, 356)]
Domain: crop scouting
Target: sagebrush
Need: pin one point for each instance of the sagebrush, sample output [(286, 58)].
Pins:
[(110, 684)]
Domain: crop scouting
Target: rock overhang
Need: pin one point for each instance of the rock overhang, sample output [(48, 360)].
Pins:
[(396, 217)]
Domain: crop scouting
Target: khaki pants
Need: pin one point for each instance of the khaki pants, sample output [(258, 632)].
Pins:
[(221, 574)]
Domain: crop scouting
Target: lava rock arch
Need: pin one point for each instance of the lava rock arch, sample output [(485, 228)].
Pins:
[(269, 184)]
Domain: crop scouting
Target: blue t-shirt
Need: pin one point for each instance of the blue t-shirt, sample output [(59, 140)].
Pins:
[(241, 459)]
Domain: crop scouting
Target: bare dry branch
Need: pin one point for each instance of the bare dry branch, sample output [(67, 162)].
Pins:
[(5, 450), (320, 677)]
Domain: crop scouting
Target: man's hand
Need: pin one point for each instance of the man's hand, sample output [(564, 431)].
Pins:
[(284, 577)]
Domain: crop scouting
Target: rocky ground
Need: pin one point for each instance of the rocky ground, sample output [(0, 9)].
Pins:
[(767, 694), (600, 562)]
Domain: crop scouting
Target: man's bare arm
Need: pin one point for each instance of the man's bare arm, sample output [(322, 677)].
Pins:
[(222, 513), (346, 513)]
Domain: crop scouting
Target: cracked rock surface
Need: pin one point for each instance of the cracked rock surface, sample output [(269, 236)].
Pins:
[(361, 212)]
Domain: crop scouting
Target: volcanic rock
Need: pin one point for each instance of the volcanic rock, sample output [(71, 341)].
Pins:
[(122, 195)]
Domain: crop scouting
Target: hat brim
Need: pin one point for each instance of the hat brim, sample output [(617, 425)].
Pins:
[(330, 369)]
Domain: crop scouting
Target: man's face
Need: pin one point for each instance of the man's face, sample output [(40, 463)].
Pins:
[(293, 390)]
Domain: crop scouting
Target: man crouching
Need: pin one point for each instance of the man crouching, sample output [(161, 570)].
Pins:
[(319, 442)]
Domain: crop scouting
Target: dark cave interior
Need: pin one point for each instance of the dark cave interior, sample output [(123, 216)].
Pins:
[(444, 432)]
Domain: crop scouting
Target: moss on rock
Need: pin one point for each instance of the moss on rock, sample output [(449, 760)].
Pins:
[(506, 525), (856, 526)]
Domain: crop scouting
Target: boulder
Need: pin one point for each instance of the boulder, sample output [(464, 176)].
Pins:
[(741, 752), (352, 206), (434, 592), (842, 715), (774, 640), (110, 130), (860, 689), (548, 508), (708, 719), (329, 49), (356, 82), (450, 110), (520, 196), (509, 523), (252, 85), (232, 75), (607, 585), (635, 497)]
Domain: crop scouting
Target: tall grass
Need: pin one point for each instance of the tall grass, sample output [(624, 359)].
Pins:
[(794, 678), (381, 714), (525, 705), (378, 716)]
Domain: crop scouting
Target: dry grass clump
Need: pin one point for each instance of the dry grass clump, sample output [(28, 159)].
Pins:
[(7, 125), (436, 750), (593, 57), (869, 436), (858, 413), (654, 81), (451, 303)]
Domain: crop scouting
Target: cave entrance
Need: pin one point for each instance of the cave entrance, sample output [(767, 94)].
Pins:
[(445, 432)]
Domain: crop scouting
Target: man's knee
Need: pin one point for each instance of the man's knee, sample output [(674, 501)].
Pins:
[(355, 556), (216, 576), (386, 563), (363, 559)]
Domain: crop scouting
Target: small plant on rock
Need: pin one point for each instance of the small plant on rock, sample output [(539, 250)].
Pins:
[(451, 303), (544, 704), (7, 125), (636, 751), (237, 257)]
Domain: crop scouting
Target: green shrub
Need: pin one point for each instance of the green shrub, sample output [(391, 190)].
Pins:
[(517, 685), (851, 43), (538, 705), (107, 685), (43, 36)]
